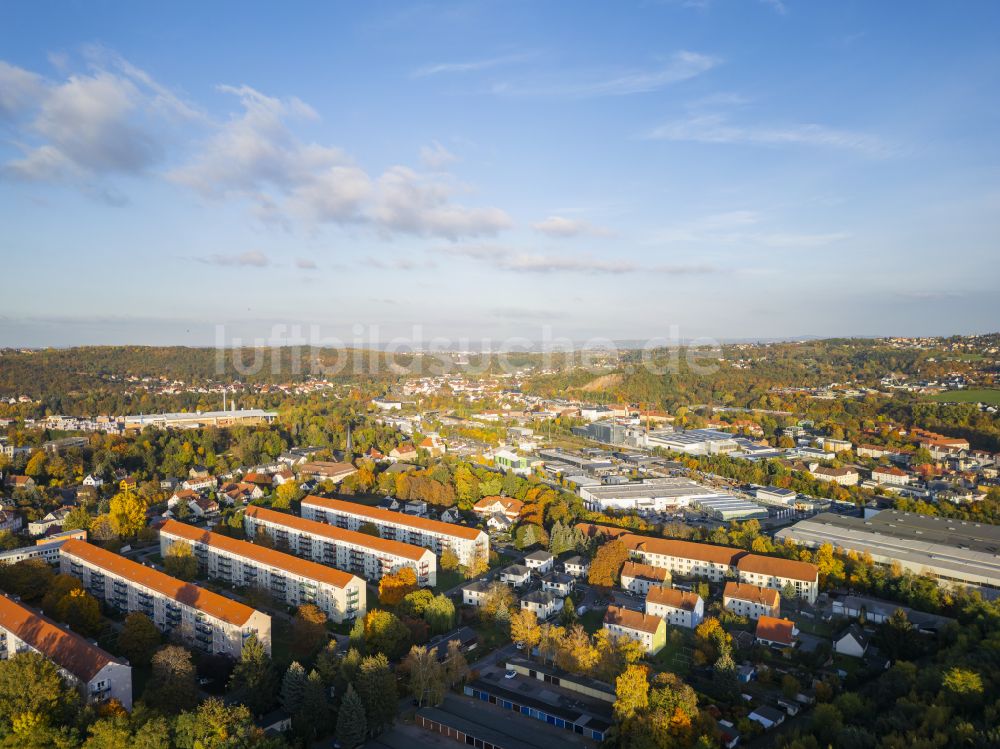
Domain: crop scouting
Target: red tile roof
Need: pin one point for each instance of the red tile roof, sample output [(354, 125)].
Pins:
[(260, 554), (754, 594), (775, 630), (644, 571), (189, 594), (775, 567), (632, 619), (66, 649), (387, 516), (325, 530), (683, 549), (677, 599)]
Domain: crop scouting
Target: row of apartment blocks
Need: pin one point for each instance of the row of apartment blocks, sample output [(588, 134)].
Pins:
[(468, 544), (367, 556), (717, 563), (198, 617), (95, 673), (294, 581)]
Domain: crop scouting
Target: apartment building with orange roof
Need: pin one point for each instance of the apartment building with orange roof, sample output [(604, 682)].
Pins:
[(647, 629), (468, 544), (780, 574), (751, 601), (294, 581), (371, 557), (637, 577), (95, 673), (675, 607), (198, 617)]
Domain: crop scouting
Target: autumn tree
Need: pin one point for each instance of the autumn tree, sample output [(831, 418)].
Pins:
[(394, 586), (524, 628), (285, 494), (308, 630), (180, 562), (607, 564), (81, 612), (32, 690), (127, 512), (456, 667), (631, 693), (498, 596), (383, 632)]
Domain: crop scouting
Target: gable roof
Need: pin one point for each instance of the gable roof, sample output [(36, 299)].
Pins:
[(66, 649), (677, 599), (315, 528), (775, 630), (776, 567), (752, 593), (644, 571), (684, 549), (632, 619), (189, 594), (270, 557), (387, 516)]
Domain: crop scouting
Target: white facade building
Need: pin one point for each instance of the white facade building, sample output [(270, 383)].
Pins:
[(199, 617), (368, 556), (470, 545), (340, 595)]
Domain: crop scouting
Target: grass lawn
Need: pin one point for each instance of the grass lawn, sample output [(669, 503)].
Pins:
[(676, 654), (592, 620), (982, 395), (448, 579)]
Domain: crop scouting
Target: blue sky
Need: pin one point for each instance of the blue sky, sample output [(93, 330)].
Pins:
[(492, 169)]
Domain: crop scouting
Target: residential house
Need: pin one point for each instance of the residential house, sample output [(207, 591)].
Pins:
[(507, 506), (406, 451), (637, 577), (780, 574), (647, 629), (516, 575), (576, 566), (558, 584), (675, 606), (890, 475), (542, 602), (852, 641), (325, 470), (91, 480), (201, 483), (540, 561), (474, 593), (20, 482), (203, 507), (751, 601), (767, 716), (10, 520), (777, 633), (499, 523), (842, 476), (53, 519)]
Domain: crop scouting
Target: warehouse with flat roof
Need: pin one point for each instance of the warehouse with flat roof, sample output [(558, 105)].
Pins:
[(955, 552)]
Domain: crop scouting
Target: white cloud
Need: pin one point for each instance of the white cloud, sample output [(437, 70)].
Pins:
[(435, 156), (511, 259), (560, 226), (743, 228), (468, 66), (712, 128), (112, 120), (255, 155), (409, 203), (248, 259), (305, 264), (683, 65)]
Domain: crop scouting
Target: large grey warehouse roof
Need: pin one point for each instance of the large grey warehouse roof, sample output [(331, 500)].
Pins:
[(953, 550), (650, 488)]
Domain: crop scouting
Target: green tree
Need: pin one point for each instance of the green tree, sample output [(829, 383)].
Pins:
[(352, 726), (252, 680), (377, 687), (29, 579), (81, 612), (59, 588), (172, 685), (440, 614), (311, 719), (215, 725), (32, 690), (293, 687), (78, 518), (308, 630), (138, 639), (426, 677), (385, 633)]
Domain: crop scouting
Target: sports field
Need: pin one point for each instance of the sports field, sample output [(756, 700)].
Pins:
[(983, 395)]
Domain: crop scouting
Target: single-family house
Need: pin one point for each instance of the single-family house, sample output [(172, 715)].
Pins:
[(516, 575), (542, 602), (675, 606), (852, 641), (540, 561), (776, 633), (559, 584), (576, 566)]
